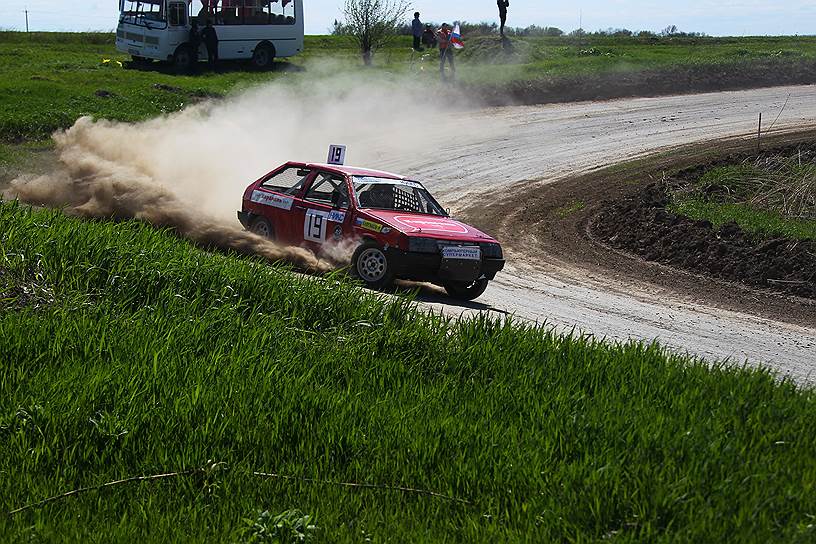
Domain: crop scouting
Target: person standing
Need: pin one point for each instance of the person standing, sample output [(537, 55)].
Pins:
[(195, 43), (210, 38), (445, 51), (416, 30), (503, 5)]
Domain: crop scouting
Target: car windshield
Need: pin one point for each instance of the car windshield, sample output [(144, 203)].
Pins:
[(395, 194)]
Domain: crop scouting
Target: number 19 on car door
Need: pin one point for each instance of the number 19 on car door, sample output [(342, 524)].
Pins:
[(314, 225)]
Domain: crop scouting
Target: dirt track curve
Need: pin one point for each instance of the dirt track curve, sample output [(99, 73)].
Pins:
[(534, 146)]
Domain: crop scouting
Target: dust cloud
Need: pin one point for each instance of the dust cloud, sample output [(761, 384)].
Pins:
[(188, 170)]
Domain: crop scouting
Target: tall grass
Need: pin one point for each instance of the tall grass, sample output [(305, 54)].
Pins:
[(766, 195), (148, 355)]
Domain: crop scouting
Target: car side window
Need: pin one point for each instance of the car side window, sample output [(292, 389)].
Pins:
[(330, 190), (289, 180)]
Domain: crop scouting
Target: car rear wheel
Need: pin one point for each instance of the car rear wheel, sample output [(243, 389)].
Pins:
[(262, 227), (465, 290), (371, 265)]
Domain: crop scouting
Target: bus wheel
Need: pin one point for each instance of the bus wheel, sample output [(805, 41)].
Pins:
[(183, 59), (263, 56)]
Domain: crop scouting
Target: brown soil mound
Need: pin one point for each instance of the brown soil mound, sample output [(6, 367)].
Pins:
[(641, 224), (656, 82)]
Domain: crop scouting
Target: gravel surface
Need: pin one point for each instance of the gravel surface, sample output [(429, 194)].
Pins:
[(500, 151)]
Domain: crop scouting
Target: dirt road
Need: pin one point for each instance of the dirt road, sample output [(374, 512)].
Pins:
[(540, 145)]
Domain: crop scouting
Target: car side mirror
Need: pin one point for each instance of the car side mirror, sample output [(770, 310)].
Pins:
[(447, 211)]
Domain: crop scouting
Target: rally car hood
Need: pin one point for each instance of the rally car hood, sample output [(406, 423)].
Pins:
[(429, 226)]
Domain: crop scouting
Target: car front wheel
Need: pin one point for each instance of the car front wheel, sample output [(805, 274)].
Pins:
[(466, 290), (371, 265)]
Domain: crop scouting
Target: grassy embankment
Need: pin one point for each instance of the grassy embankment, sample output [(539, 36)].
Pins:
[(772, 196), (128, 352)]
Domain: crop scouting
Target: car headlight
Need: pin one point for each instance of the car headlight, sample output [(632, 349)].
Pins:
[(491, 250), (423, 245)]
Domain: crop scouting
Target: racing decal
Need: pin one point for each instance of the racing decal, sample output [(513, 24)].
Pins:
[(462, 253), (314, 226), (338, 232), (369, 225), (337, 216), (269, 199), (426, 224), (387, 181)]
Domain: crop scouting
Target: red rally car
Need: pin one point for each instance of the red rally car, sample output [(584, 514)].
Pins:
[(399, 230)]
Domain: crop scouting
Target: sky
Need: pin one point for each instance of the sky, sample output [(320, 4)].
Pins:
[(713, 17)]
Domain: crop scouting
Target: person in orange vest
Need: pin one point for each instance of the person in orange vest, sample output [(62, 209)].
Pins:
[(445, 51)]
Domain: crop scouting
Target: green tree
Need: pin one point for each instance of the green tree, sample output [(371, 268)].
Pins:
[(373, 23)]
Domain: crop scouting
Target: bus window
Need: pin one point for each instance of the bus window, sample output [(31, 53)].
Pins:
[(251, 12), (281, 12), (143, 12), (177, 14)]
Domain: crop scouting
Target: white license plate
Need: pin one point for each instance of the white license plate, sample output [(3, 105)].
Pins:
[(463, 253)]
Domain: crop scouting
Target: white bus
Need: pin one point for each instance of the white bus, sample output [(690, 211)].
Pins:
[(259, 30)]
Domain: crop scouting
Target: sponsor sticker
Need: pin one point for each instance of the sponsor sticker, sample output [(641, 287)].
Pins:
[(387, 181), (314, 225), (462, 253), (270, 199), (338, 232), (369, 225), (337, 216)]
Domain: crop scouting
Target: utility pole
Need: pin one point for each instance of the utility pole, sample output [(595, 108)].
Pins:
[(581, 18), (26, 12)]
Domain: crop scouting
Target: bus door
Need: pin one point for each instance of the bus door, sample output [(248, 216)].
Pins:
[(178, 28)]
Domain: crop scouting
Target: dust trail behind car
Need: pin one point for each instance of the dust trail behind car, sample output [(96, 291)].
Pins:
[(187, 170)]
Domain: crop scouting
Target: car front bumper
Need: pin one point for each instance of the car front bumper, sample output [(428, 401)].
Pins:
[(431, 267)]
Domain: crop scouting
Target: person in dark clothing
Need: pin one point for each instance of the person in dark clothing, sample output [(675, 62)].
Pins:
[(429, 37), (210, 39), (416, 30), (195, 43), (503, 5)]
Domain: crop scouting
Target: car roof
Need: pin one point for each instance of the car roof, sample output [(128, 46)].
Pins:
[(354, 171)]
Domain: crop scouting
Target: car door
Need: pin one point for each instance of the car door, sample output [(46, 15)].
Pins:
[(324, 211), (275, 199)]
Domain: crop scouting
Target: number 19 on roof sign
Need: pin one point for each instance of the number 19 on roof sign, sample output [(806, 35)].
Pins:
[(337, 154)]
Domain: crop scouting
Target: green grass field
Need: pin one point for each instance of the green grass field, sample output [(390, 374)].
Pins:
[(128, 352), (49, 80)]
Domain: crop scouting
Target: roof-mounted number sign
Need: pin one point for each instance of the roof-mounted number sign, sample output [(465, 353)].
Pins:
[(337, 154)]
